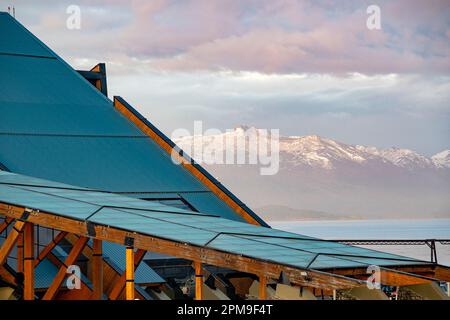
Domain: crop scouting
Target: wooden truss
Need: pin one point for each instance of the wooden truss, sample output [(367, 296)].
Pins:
[(138, 244)]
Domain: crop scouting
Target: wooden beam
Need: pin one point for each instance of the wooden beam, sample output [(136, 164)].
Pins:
[(111, 276), (435, 271), (109, 273), (20, 253), (389, 277), (7, 276), (28, 241), (442, 273), (121, 282), (85, 292), (397, 278), (298, 276), (97, 269), (11, 240), (129, 272), (198, 280), (184, 162), (44, 253), (97, 77), (262, 287), (70, 260)]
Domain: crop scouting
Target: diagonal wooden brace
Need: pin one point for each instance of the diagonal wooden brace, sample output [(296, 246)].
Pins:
[(11, 240), (50, 247), (5, 224), (59, 278)]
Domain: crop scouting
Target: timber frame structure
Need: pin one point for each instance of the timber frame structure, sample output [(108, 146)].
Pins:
[(198, 255), (22, 219)]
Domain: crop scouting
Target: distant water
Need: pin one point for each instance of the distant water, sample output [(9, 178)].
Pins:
[(379, 229)]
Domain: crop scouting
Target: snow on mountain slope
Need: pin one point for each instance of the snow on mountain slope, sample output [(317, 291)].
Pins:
[(442, 159), (319, 152), (324, 175)]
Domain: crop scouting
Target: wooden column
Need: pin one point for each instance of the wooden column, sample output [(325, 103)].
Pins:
[(198, 280), (28, 261), (262, 287), (129, 273), (20, 253), (97, 270), (117, 290)]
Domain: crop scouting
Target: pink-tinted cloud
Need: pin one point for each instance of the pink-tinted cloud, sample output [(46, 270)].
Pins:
[(272, 36)]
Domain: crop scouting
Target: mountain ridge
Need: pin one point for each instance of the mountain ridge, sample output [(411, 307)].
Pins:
[(322, 175), (317, 151)]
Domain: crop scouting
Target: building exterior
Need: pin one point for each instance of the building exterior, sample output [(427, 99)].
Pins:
[(68, 153)]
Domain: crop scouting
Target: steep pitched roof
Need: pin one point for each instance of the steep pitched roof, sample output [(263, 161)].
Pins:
[(57, 126)]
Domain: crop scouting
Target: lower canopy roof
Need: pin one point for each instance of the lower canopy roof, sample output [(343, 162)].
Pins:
[(184, 226)]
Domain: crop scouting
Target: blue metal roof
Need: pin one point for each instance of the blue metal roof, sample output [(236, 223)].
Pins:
[(14, 41), (194, 228), (73, 134)]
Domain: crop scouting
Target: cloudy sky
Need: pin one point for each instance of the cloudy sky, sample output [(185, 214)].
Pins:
[(305, 67)]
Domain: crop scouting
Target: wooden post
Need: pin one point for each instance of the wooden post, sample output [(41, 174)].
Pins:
[(262, 287), (28, 241), (198, 280), (20, 253), (97, 270), (121, 282), (129, 274)]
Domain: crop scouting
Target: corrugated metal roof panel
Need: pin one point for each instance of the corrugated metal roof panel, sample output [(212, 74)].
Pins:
[(209, 202), (169, 195), (109, 152), (152, 226), (75, 209), (14, 38), (55, 101), (78, 204), (17, 179), (203, 230), (106, 163), (99, 199)]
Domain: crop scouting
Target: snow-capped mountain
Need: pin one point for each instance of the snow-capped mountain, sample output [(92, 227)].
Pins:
[(442, 159), (317, 174), (318, 152)]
